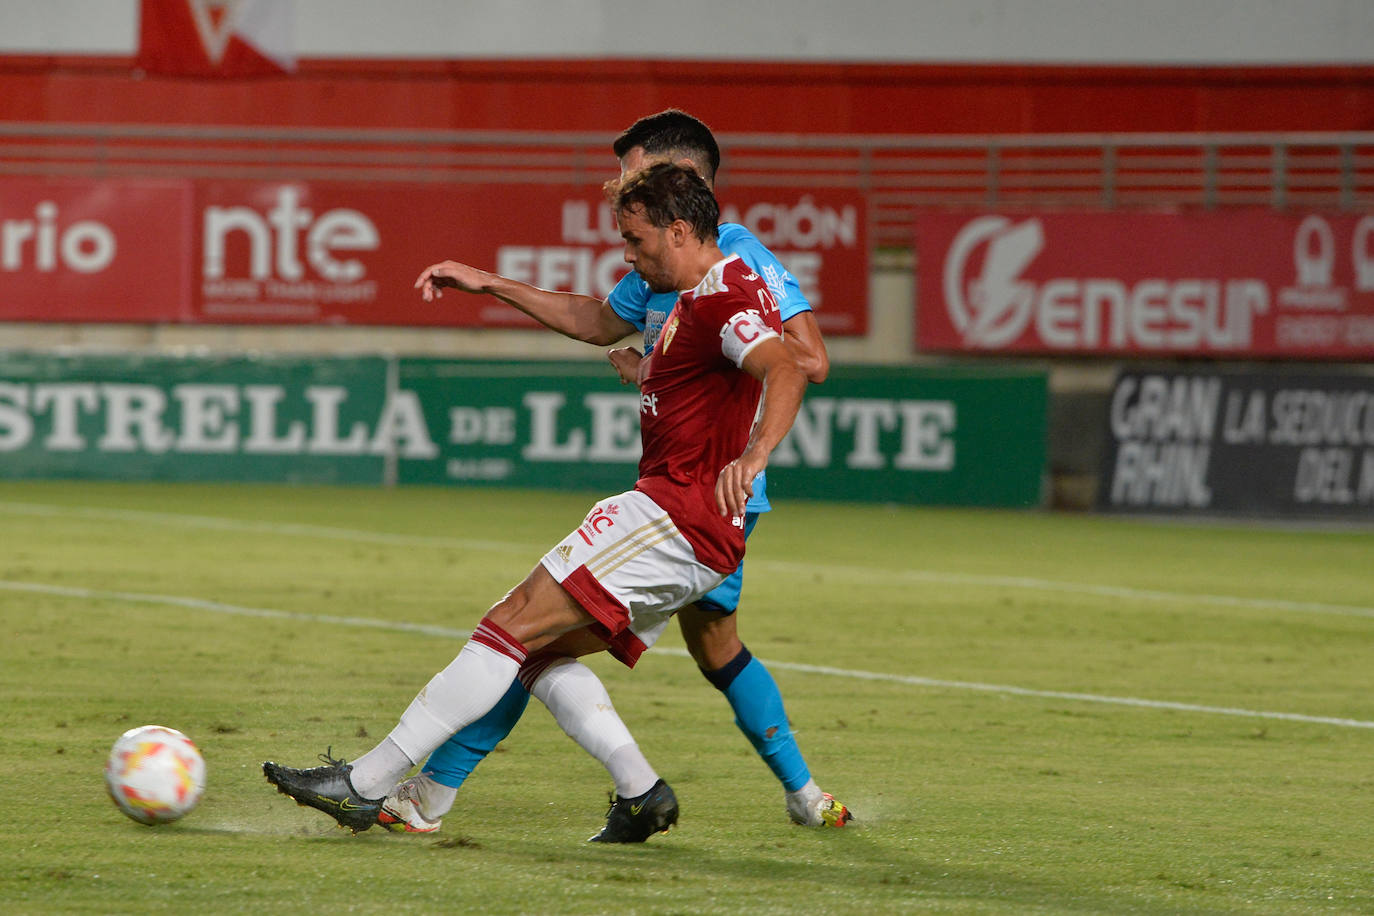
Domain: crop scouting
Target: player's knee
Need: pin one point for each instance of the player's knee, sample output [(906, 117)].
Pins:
[(723, 675), (536, 611), (721, 654), (711, 638)]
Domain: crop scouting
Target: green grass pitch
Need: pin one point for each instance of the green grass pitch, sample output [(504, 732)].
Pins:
[(1028, 712)]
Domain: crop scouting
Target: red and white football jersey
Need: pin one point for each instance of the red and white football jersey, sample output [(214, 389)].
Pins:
[(697, 406)]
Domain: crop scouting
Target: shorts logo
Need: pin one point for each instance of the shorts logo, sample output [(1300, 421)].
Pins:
[(565, 551), (599, 520)]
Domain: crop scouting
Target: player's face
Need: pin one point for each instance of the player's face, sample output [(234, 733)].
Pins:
[(647, 250)]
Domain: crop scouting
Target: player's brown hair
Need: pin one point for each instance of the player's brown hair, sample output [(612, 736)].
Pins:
[(667, 192)]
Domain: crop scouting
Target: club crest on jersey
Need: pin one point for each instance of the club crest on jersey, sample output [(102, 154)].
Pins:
[(666, 338)]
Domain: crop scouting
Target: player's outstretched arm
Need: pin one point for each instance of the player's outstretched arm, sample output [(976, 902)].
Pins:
[(773, 363), (803, 335), (584, 318)]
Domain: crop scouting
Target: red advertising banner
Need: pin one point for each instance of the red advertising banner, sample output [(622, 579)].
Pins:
[(1228, 284), (240, 252), (94, 250), (349, 254)]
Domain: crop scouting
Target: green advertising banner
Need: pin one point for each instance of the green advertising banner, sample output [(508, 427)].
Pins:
[(931, 436), (524, 424), (927, 436), (193, 418), (946, 436)]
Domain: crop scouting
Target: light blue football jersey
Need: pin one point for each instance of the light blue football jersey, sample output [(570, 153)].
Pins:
[(647, 310)]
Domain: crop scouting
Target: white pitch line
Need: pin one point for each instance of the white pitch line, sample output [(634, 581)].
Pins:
[(861, 573), (216, 523), (1077, 588), (217, 607), (1065, 695)]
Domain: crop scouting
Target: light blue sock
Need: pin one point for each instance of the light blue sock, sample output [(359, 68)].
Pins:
[(754, 696), (455, 759)]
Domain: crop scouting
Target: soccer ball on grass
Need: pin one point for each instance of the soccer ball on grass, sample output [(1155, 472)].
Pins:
[(155, 774)]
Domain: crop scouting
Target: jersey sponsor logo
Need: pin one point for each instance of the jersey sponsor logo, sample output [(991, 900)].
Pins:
[(653, 327), (648, 403)]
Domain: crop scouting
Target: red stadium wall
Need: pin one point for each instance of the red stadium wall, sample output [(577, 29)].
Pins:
[(597, 95)]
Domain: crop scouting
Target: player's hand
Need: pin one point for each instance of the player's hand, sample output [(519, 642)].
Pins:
[(436, 278), (735, 485), (626, 361)]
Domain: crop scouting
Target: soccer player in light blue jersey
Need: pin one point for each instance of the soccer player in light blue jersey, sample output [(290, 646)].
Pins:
[(572, 692)]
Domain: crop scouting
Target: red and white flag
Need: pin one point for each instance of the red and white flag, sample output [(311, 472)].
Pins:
[(217, 37)]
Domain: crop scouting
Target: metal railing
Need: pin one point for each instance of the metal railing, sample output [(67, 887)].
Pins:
[(899, 175)]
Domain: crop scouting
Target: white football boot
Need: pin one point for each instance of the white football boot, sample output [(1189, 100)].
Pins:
[(402, 809), (811, 807)]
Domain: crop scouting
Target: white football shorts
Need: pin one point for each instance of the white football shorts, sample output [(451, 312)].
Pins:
[(631, 569)]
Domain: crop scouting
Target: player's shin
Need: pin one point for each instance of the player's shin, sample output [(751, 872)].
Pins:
[(457, 757), (583, 709), (460, 694), (759, 713)]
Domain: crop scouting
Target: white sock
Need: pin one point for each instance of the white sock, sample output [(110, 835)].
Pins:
[(631, 771), (583, 709), (375, 767), (460, 694), (433, 799), (803, 803)]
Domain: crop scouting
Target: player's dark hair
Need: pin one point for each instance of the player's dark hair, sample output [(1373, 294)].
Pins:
[(674, 134), (667, 192)]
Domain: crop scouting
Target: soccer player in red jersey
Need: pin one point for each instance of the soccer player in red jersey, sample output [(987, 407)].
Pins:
[(717, 395), (570, 690)]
